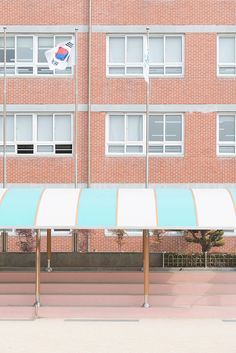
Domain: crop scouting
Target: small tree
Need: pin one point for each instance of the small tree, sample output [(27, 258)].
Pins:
[(120, 234), (207, 239), (26, 240)]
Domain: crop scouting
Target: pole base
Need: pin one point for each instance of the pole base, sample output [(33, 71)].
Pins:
[(146, 305), (36, 309), (48, 269)]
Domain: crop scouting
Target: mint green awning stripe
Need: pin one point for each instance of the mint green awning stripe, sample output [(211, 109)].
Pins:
[(18, 207), (97, 208), (175, 208), (233, 193)]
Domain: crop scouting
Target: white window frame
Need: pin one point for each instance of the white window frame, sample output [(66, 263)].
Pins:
[(141, 75), (35, 64), (165, 143), (37, 143), (151, 143), (218, 56), (166, 65), (124, 143), (226, 143)]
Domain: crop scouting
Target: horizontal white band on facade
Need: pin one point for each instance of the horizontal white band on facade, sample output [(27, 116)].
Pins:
[(167, 108), (120, 28), (177, 108), (45, 29), (31, 108)]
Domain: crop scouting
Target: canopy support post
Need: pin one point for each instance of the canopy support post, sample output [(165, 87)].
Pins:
[(37, 273), (146, 266), (49, 250)]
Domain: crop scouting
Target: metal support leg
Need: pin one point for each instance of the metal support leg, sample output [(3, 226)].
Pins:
[(37, 273), (49, 251), (146, 267)]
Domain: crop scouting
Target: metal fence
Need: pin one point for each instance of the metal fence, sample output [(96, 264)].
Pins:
[(199, 260)]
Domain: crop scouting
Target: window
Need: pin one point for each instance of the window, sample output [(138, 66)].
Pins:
[(37, 134), (125, 134), (227, 55), (226, 139), (25, 54), (126, 55), (165, 134)]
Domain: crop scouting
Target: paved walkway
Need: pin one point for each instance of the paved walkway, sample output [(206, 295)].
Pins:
[(137, 336)]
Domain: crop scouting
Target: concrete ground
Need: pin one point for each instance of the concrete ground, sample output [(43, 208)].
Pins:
[(122, 336)]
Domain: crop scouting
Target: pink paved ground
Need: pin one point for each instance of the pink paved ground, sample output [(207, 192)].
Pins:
[(119, 295)]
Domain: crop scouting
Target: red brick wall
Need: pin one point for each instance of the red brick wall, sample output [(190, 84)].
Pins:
[(199, 85), (100, 243)]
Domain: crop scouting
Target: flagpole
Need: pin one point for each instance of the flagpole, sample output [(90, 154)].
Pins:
[(75, 117), (4, 110), (89, 93), (147, 118)]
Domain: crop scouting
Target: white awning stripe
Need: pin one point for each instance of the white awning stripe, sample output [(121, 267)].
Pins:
[(58, 207)]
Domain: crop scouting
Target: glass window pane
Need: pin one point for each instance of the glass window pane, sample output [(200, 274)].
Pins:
[(41, 56), (62, 39), (156, 47), (10, 42), (116, 149), (23, 70), (1, 128), (134, 70), (174, 70), (24, 125), (117, 70), (116, 50), (173, 128), (44, 148), (44, 70), (226, 50), (135, 128), (156, 70), (25, 49), (227, 149), (134, 149), (227, 128), (45, 128), (155, 149), (173, 52), (173, 149), (156, 128), (45, 42), (10, 128), (135, 49), (62, 128), (116, 128), (227, 70)]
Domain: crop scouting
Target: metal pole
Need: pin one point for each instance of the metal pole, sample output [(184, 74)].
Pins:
[(76, 113), (147, 118), (49, 250), (146, 267), (89, 90), (37, 273), (4, 233)]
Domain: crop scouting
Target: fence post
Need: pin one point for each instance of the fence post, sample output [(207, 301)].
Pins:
[(205, 259), (163, 259)]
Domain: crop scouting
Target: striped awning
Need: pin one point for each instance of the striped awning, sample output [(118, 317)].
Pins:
[(160, 208)]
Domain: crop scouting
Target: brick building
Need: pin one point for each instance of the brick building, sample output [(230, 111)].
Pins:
[(192, 104)]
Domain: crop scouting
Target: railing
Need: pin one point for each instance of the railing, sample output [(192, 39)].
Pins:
[(199, 260)]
